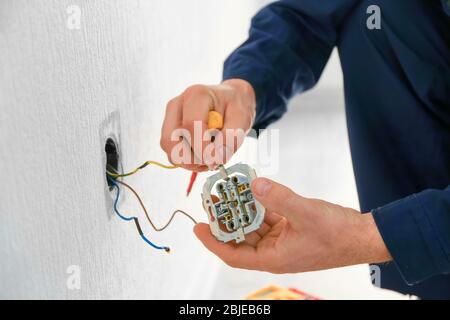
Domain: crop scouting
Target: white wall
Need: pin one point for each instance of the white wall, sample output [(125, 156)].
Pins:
[(62, 93)]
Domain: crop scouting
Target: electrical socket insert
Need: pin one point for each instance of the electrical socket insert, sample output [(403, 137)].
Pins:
[(232, 210)]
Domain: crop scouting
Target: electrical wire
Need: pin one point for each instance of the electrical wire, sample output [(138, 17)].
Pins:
[(159, 164), (117, 200), (135, 219), (147, 215)]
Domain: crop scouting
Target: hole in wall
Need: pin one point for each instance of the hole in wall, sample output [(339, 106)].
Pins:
[(112, 159)]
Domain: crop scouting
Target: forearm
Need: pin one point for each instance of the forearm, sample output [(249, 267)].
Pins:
[(284, 53), (352, 238)]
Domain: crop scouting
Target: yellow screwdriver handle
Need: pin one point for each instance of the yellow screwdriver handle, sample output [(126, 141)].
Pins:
[(215, 120)]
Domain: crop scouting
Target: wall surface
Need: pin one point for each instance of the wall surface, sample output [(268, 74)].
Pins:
[(62, 93)]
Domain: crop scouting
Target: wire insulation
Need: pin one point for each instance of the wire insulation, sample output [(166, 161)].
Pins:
[(135, 219), (159, 164), (167, 249), (146, 212), (117, 200)]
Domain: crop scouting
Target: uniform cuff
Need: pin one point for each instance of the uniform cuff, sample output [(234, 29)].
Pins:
[(411, 238)]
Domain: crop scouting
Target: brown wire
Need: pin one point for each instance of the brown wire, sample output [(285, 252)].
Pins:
[(146, 213)]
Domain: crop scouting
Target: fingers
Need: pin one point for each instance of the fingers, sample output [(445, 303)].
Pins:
[(184, 127), (187, 115), (235, 128), (252, 238), (278, 198), (237, 121), (172, 122), (271, 218), (195, 121), (237, 256), (263, 229), (240, 114), (198, 101)]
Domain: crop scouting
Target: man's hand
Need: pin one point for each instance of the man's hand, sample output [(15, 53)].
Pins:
[(234, 99), (300, 234)]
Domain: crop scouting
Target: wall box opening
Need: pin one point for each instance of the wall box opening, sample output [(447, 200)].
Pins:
[(112, 159)]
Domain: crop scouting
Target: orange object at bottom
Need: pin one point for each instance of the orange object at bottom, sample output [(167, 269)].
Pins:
[(280, 293)]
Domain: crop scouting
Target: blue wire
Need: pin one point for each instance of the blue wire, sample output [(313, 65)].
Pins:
[(154, 245), (117, 200), (131, 218)]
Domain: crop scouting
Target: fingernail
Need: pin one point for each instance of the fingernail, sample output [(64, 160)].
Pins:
[(262, 187)]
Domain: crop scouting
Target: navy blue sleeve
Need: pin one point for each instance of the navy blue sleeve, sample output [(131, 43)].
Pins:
[(416, 231), (289, 44), (446, 5)]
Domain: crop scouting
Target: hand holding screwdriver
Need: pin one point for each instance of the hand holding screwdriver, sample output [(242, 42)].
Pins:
[(233, 100)]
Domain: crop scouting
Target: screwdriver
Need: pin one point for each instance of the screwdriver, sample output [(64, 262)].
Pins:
[(215, 121)]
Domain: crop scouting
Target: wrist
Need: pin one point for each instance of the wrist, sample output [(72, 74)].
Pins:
[(371, 241), (245, 90), (242, 86)]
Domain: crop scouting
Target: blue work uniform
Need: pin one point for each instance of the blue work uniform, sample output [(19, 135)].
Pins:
[(397, 95)]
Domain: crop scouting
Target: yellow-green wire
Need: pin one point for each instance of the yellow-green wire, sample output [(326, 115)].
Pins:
[(118, 175)]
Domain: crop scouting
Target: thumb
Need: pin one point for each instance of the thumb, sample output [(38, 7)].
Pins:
[(277, 198)]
